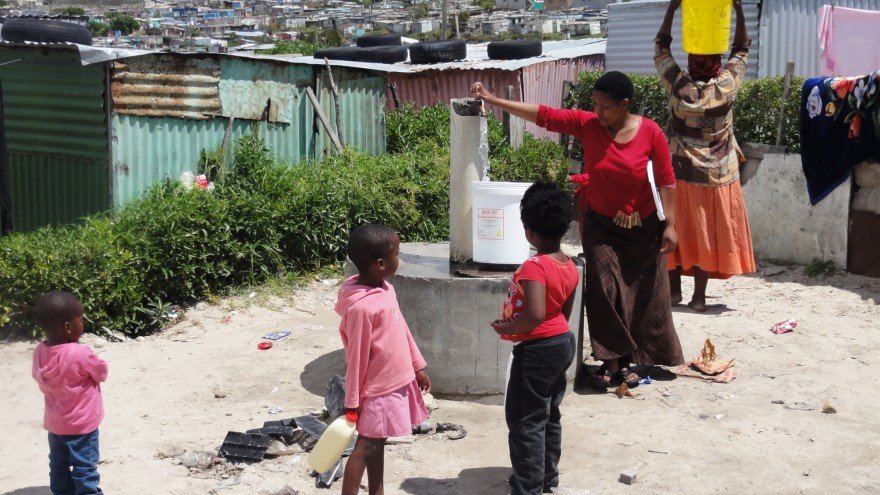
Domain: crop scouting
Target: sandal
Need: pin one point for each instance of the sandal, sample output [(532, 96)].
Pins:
[(623, 373), (601, 378)]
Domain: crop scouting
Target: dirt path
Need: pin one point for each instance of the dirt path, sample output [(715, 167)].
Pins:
[(763, 433)]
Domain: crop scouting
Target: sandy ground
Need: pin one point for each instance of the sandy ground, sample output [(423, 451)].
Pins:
[(763, 433)]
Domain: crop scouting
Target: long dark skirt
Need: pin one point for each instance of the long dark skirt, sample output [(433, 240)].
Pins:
[(629, 311)]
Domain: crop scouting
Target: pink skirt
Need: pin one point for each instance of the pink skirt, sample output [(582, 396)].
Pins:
[(393, 414)]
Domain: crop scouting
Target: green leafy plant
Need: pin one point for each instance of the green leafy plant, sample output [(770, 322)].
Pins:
[(819, 268), (157, 312), (427, 130)]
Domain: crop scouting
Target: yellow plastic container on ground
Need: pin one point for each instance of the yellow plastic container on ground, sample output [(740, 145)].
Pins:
[(333, 442), (705, 26)]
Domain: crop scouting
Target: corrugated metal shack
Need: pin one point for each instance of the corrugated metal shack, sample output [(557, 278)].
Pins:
[(535, 80), (90, 129)]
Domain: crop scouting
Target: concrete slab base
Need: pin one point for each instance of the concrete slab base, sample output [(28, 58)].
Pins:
[(449, 316)]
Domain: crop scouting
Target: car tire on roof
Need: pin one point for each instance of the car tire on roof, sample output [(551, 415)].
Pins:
[(45, 31), (513, 49), (383, 54), (349, 53), (378, 40), (432, 52)]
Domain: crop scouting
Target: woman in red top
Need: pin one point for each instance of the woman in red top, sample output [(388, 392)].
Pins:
[(626, 285)]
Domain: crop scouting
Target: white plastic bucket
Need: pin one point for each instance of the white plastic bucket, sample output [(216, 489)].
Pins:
[(499, 237)]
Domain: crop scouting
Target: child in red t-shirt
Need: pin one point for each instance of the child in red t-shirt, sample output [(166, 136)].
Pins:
[(535, 316)]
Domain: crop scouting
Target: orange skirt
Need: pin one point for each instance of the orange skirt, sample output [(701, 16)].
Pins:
[(713, 231)]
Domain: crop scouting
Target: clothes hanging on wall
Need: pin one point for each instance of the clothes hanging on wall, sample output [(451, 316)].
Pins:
[(840, 127), (848, 41)]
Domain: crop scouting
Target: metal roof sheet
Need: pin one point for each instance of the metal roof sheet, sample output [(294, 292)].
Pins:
[(87, 54)]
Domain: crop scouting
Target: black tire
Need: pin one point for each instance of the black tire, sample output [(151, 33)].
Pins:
[(45, 31), (378, 40), (349, 53), (432, 52), (514, 49), (383, 54)]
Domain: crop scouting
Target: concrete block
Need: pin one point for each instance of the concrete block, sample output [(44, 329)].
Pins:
[(868, 200), (867, 174), (784, 225), (627, 476)]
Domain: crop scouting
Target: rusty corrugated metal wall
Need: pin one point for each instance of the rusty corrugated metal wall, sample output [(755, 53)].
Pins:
[(542, 84), (539, 83), (56, 131), (167, 87), (426, 88), (165, 133)]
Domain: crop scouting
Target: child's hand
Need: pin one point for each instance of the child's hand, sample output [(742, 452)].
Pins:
[(423, 380), (502, 327)]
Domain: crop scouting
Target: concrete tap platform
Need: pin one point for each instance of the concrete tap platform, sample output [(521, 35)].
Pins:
[(449, 316)]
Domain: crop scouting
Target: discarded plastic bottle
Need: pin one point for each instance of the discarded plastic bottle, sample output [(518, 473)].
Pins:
[(333, 442)]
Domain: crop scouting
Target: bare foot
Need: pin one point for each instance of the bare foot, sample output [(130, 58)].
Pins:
[(698, 306)]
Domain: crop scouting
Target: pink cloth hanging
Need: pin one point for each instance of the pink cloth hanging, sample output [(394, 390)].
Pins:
[(848, 43)]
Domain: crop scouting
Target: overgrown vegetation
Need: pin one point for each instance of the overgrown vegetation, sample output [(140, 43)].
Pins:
[(755, 113), (263, 222)]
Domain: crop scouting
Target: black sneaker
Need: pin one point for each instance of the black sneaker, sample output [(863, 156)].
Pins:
[(548, 487)]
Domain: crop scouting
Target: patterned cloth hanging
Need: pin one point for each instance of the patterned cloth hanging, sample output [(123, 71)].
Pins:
[(840, 127)]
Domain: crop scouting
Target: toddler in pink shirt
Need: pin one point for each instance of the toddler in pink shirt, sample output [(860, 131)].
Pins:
[(69, 374)]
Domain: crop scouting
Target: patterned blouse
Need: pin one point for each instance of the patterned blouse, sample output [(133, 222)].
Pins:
[(700, 129)]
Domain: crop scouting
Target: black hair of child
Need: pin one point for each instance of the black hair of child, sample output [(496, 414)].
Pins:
[(367, 243), (617, 85), (53, 309), (546, 210)]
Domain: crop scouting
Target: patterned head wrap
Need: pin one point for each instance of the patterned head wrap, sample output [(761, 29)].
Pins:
[(704, 67)]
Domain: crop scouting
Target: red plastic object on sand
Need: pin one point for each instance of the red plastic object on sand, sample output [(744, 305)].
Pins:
[(264, 345), (785, 326)]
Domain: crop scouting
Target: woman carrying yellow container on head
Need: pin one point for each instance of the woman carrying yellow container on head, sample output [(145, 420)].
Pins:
[(714, 240)]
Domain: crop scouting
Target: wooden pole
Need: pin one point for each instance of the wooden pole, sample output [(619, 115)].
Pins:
[(393, 89), (786, 90), (512, 126), (323, 118), (227, 143), (335, 103)]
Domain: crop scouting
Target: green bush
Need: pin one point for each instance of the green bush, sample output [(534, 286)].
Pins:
[(263, 220), (755, 113), (427, 130), (178, 246)]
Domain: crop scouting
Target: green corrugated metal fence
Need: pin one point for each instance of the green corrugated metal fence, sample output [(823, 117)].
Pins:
[(56, 132)]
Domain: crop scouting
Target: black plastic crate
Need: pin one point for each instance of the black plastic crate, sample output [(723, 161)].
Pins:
[(244, 447)]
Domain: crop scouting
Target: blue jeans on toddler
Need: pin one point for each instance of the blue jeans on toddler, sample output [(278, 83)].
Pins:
[(534, 393), (73, 464)]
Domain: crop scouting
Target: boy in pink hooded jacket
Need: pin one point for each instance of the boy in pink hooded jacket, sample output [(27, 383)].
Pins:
[(69, 374)]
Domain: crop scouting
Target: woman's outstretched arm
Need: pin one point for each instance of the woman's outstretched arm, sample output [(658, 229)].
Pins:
[(525, 111)]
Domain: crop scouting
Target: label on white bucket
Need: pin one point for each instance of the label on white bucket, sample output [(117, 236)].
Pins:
[(490, 223)]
